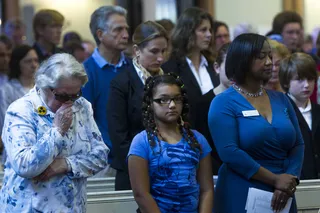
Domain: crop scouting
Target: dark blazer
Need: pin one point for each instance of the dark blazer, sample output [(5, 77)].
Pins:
[(311, 163), (124, 114), (43, 57), (199, 104)]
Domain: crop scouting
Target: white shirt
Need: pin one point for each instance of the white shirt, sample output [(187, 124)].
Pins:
[(306, 112), (139, 72), (202, 76)]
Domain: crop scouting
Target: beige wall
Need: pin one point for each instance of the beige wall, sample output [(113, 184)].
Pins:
[(256, 12), (76, 12), (312, 14)]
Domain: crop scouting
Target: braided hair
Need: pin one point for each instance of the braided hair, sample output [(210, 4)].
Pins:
[(148, 115)]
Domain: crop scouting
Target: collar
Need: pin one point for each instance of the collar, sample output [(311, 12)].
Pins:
[(44, 52), (203, 61), (103, 62), (307, 109), (301, 109), (139, 72)]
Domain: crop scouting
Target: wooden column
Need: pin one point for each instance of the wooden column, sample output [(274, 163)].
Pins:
[(299, 6), (294, 5), (207, 5), (11, 9)]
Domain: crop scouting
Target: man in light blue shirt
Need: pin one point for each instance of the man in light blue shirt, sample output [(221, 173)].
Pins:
[(109, 28)]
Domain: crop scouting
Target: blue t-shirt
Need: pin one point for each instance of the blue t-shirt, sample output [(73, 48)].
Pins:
[(173, 172)]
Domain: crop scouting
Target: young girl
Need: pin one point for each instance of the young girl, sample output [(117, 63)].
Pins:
[(169, 164)]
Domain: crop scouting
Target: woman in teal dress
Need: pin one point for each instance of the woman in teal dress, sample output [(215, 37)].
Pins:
[(255, 131)]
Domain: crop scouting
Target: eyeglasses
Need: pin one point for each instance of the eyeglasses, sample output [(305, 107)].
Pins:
[(65, 97), (167, 100)]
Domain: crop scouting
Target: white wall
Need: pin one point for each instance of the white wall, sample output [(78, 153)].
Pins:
[(312, 15), (76, 12), (256, 12), (159, 9), (259, 13), (149, 10)]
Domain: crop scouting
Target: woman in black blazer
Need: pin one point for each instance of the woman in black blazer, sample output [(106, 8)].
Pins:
[(298, 76), (124, 109), (192, 59)]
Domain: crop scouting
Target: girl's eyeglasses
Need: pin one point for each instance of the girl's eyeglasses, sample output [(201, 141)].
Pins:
[(65, 97), (167, 100)]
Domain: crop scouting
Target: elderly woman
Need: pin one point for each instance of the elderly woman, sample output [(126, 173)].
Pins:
[(53, 144), (279, 52)]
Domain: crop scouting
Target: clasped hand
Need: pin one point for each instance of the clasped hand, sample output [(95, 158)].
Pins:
[(285, 186), (57, 167)]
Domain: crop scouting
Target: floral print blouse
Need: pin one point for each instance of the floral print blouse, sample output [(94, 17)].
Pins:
[(32, 144)]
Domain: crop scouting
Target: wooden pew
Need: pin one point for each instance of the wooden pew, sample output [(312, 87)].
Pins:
[(308, 196), (102, 198)]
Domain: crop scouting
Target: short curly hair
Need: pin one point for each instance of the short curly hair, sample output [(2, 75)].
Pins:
[(283, 18)]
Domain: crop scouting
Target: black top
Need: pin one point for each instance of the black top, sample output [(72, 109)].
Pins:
[(41, 54), (311, 163), (124, 114), (199, 103)]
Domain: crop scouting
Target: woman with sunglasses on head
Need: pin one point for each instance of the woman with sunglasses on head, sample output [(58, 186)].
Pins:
[(255, 131), (192, 59), (169, 164), (126, 92), (53, 144)]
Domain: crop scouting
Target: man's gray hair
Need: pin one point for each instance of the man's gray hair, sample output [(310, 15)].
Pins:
[(100, 18), (58, 67)]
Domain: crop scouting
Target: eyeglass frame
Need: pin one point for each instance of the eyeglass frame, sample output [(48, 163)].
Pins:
[(176, 100), (65, 97)]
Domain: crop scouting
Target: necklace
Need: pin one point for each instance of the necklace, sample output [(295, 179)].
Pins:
[(249, 94)]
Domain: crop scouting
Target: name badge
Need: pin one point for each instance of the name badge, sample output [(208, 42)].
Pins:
[(249, 113)]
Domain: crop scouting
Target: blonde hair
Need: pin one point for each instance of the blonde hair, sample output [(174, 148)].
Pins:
[(44, 18), (148, 31), (279, 48)]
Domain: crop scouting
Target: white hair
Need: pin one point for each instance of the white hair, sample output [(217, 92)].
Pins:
[(243, 28), (57, 67), (100, 17)]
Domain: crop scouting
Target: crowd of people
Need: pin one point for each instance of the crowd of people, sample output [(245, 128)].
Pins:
[(182, 103)]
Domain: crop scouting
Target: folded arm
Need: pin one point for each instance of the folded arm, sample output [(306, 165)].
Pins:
[(29, 155)]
